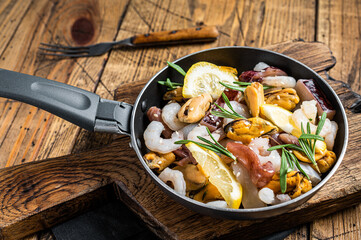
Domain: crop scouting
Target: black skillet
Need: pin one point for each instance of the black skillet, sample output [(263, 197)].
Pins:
[(89, 111)]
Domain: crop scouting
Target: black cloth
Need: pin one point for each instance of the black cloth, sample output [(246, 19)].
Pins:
[(115, 221)]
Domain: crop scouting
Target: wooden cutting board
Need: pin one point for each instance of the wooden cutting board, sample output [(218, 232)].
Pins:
[(38, 195)]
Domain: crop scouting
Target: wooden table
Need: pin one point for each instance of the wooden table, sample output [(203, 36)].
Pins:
[(28, 134)]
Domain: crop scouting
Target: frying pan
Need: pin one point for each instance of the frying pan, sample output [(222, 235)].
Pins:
[(89, 111)]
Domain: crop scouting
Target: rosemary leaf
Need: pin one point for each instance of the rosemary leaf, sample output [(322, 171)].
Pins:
[(293, 146), (237, 88), (311, 136), (308, 128), (243, 83), (226, 100), (283, 172), (210, 134), (223, 110), (307, 151), (224, 115), (290, 162), (295, 160), (176, 67), (170, 85), (321, 123), (210, 146), (199, 144)]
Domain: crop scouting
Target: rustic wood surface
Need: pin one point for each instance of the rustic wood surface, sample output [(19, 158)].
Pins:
[(28, 134), (43, 190)]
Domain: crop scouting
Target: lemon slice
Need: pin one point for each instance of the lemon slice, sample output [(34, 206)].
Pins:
[(204, 77), (281, 117), (219, 174)]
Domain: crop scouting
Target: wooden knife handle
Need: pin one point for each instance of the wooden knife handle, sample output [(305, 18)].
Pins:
[(197, 34)]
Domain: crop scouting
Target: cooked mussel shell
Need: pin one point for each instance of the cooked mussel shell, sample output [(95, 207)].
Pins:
[(245, 130), (286, 98)]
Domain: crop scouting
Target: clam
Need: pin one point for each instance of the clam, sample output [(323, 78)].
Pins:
[(245, 130)]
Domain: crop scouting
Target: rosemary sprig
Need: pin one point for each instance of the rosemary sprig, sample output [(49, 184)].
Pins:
[(238, 86), (173, 85), (215, 147), (234, 87), (311, 136), (225, 113), (307, 142), (293, 146), (176, 67), (288, 163), (170, 85)]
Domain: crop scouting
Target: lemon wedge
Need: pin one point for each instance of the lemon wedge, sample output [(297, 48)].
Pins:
[(219, 174), (281, 117), (204, 77)]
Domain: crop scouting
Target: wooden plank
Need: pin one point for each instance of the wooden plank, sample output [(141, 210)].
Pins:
[(339, 24), (50, 185), (251, 23), (339, 27), (27, 133)]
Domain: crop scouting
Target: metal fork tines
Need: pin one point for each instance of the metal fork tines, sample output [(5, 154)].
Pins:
[(80, 51)]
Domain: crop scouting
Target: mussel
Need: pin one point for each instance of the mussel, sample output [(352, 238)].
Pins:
[(245, 130)]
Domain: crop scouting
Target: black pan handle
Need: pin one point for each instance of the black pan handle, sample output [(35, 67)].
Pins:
[(78, 106)]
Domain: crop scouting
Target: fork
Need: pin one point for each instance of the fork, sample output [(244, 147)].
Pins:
[(189, 35)]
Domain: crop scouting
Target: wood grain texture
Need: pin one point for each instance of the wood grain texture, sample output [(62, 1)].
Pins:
[(54, 185), (195, 34), (28, 134), (339, 27)]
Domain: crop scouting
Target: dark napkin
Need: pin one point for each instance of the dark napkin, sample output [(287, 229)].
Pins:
[(115, 221), (110, 221)]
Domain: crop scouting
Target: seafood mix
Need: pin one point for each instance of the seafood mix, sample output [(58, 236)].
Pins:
[(247, 141)]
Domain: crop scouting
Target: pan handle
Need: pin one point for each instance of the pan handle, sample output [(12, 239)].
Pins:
[(78, 106)]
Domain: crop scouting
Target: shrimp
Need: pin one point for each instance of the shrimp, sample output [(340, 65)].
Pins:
[(219, 204), (155, 114), (169, 116), (238, 108), (250, 197), (260, 146), (279, 81), (176, 178), (155, 143), (187, 129), (202, 131)]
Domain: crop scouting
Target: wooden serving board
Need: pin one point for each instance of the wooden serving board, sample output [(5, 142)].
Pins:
[(38, 195)]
